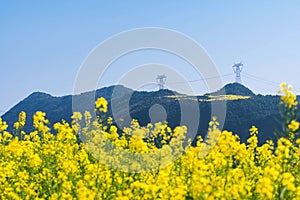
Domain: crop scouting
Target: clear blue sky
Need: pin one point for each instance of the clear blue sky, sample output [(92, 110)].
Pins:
[(43, 43)]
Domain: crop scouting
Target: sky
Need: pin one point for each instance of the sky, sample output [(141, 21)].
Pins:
[(44, 43)]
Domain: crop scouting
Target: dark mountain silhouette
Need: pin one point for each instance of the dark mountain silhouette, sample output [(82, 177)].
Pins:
[(235, 89), (259, 110)]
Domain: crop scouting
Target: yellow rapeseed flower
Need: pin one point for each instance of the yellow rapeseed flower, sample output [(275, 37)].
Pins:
[(60, 164), (294, 125), (101, 104), (253, 130), (3, 125)]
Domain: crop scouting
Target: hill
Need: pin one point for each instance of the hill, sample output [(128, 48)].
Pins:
[(244, 108), (235, 89)]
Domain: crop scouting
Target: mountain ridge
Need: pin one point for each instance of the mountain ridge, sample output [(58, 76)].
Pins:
[(241, 113)]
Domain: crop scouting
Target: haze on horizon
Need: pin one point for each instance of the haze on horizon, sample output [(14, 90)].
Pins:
[(43, 44)]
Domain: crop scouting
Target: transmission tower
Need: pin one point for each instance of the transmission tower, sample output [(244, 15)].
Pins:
[(237, 68), (161, 81)]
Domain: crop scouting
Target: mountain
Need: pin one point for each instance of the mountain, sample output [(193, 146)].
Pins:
[(244, 108), (235, 89), (57, 108)]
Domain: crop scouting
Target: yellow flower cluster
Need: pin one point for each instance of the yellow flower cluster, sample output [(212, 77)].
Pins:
[(3, 125), (288, 97), (289, 112), (151, 162), (101, 104), (21, 122), (40, 122), (294, 125)]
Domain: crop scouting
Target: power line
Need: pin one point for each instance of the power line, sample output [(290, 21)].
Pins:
[(268, 82), (202, 79), (148, 88), (261, 79)]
